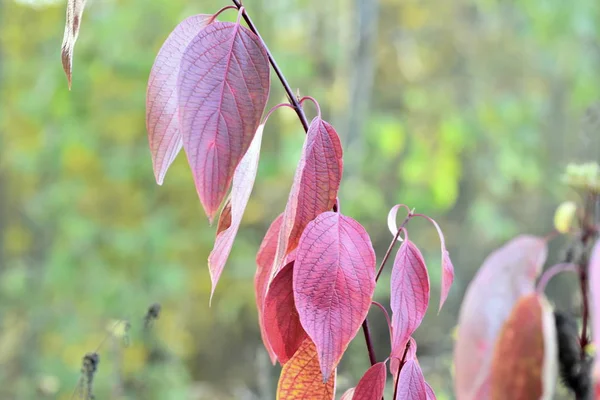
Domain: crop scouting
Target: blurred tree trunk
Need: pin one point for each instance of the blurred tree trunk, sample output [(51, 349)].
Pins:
[(362, 72)]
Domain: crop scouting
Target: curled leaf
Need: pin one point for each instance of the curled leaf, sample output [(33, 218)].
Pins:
[(223, 87), (264, 263), (594, 288), (316, 183), (372, 384), (300, 377), (231, 217), (162, 119), (74, 13), (391, 220), (409, 295), (505, 276), (334, 281), (281, 321), (524, 364)]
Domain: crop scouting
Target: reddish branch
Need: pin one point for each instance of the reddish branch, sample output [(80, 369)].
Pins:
[(402, 362), (288, 90)]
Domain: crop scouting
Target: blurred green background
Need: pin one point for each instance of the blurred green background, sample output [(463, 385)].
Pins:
[(467, 110)]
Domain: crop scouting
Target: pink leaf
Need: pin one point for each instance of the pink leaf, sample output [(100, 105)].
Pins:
[(74, 13), (264, 262), (447, 267), (409, 294), (397, 353), (506, 275), (411, 384), (391, 221), (281, 321), (334, 281), (162, 120), (243, 182), (223, 87), (594, 272), (315, 186), (372, 384), (348, 394), (430, 392)]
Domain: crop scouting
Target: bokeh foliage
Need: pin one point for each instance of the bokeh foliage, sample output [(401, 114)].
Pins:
[(467, 110)]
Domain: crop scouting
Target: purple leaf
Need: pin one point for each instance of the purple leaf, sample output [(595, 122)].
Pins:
[(162, 119), (409, 294), (372, 384), (411, 384), (447, 267), (223, 87), (505, 276), (348, 394), (74, 13), (281, 321), (594, 271), (315, 186), (243, 182), (334, 281), (264, 263)]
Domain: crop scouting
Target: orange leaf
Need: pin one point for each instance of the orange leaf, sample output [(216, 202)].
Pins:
[(301, 377), (524, 363)]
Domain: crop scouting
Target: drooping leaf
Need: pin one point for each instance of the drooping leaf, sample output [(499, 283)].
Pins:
[(162, 115), (505, 276), (525, 359), (301, 378), (334, 281), (231, 217), (447, 267), (74, 13), (316, 183), (430, 392), (264, 263), (281, 321), (594, 288), (409, 295), (372, 384), (223, 87), (411, 383), (348, 394)]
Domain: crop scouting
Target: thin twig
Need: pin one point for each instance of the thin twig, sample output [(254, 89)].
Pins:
[(288, 90)]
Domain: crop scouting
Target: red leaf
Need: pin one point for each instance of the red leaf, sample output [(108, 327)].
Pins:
[(505, 276), (430, 392), (372, 384), (315, 186), (334, 280), (409, 294), (72, 24), (281, 321), (300, 377), (223, 87), (411, 385), (162, 120), (231, 217), (264, 263), (525, 356), (594, 271), (348, 394)]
